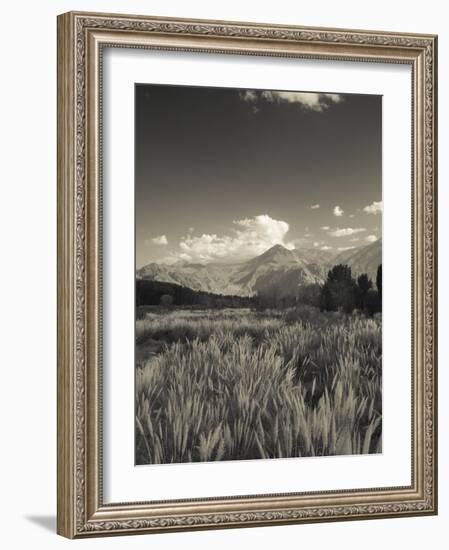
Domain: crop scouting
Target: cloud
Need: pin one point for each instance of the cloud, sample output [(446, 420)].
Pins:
[(307, 235), (338, 211), (345, 232), (343, 248), (325, 228), (314, 206), (374, 208), (325, 247), (161, 240), (307, 100), (247, 238), (249, 95), (371, 238)]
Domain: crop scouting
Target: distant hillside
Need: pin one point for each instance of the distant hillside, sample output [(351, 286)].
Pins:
[(285, 269), (279, 266), (364, 259)]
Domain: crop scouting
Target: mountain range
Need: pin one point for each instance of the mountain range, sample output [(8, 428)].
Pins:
[(278, 266)]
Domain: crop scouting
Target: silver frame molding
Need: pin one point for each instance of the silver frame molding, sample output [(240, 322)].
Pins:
[(81, 39)]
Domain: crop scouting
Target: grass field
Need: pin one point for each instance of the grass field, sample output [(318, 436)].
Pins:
[(241, 384)]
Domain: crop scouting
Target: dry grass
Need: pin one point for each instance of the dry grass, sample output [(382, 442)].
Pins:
[(241, 385)]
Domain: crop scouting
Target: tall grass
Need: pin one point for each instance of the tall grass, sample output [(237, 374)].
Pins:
[(245, 385)]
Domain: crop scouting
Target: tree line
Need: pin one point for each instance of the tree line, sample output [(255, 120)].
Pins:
[(155, 293), (343, 292), (340, 292)]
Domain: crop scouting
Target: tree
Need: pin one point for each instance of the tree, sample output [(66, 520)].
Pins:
[(326, 298), (364, 283), (340, 273), (372, 302), (379, 281), (340, 290)]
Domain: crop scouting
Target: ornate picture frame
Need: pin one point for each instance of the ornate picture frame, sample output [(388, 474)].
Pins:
[(82, 38)]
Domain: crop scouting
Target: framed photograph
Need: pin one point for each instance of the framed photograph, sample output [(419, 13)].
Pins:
[(246, 274)]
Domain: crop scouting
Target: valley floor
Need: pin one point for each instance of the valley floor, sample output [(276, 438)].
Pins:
[(236, 384)]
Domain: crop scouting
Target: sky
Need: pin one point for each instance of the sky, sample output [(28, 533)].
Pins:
[(223, 174)]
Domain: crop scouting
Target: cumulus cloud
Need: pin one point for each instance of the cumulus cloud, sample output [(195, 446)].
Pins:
[(374, 208), (338, 211), (325, 228), (343, 248), (346, 231), (161, 240), (247, 238), (325, 247), (371, 238), (307, 100), (314, 206)]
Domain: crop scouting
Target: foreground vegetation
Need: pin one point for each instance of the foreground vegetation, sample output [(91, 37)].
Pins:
[(240, 384)]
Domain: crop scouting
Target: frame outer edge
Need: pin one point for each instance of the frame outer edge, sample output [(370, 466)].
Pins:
[(66, 287), (75, 503), (435, 271)]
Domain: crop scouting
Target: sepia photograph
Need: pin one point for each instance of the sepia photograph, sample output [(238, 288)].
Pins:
[(258, 261), (247, 261)]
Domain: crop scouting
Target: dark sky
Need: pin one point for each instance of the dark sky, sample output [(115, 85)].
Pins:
[(209, 157)]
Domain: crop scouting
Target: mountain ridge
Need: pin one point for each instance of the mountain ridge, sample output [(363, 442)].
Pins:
[(278, 266), (363, 259)]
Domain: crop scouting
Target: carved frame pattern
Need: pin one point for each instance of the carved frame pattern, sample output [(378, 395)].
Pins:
[(81, 37)]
